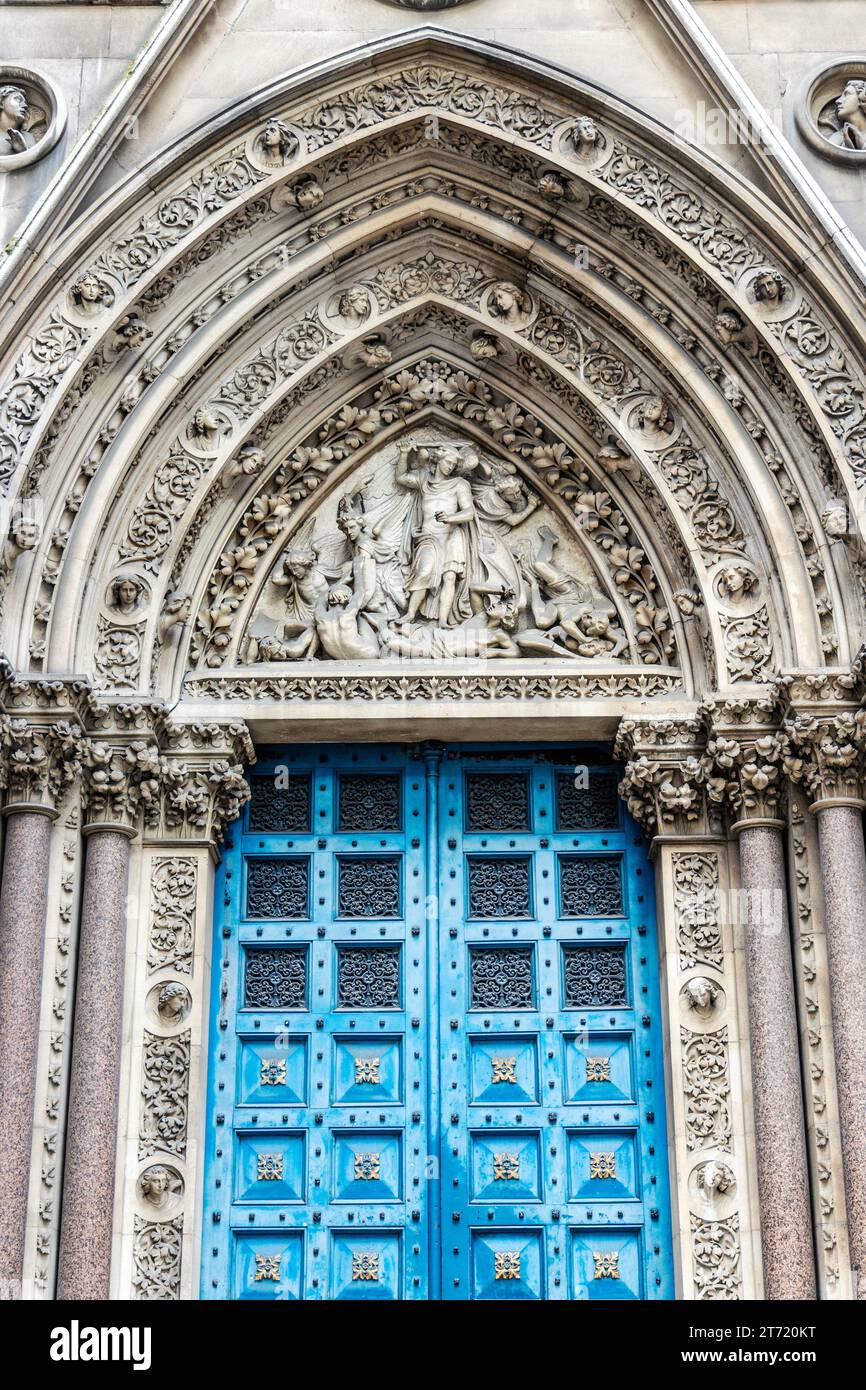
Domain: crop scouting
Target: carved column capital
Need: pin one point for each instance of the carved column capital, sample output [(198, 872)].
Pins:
[(38, 761), (665, 784), (119, 778), (743, 758), (202, 787), (826, 752)]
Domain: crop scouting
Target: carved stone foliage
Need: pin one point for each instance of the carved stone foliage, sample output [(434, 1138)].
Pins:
[(506, 578), (118, 779), (707, 1089), (171, 938), (697, 909), (826, 752), (156, 1256), (406, 687), (746, 774), (716, 1255), (197, 799), (164, 1095), (39, 762)]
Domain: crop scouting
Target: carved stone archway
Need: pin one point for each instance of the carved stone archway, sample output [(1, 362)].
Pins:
[(478, 258)]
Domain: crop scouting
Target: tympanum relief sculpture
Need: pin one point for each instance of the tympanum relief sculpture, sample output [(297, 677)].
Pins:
[(436, 553)]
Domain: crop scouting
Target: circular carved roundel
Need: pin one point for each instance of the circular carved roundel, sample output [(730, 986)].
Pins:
[(831, 111), (32, 116)]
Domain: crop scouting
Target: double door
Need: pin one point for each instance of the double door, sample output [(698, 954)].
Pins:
[(436, 1052)]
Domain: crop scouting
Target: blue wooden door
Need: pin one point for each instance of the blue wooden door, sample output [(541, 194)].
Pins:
[(435, 1062)]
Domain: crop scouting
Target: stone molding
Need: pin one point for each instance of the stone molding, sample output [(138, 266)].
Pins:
[(618, 180)]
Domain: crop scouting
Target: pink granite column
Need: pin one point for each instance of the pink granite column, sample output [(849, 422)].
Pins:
[(87, 1221), (780, 1135), (23, 915), (843, 873)]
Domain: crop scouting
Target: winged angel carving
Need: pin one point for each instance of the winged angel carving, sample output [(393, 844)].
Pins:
[(438, 555)]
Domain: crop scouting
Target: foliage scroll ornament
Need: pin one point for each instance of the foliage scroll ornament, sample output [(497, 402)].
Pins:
[(156, 1258), (165, 1094)]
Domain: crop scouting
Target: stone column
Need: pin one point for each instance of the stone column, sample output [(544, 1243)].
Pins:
[(41, 762), (825, 750), (23, 909), (94, 1086), (843, 874), (745, 771), (780, 1134), (117, 780)]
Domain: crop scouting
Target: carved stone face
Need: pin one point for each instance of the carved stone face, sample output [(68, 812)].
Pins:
[(354, 304), (125, 595), (297, 564), (87, 290), (503, 300), (768, 288), (701, 994), (204, 422), (851, 102), (309, 194), (14, 108), (585, 134), (511, 490), (447, 463), (26, 533), (728, 326), (173, 1002)]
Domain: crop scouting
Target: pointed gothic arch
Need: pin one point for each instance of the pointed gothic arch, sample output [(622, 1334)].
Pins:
[(183, 397)]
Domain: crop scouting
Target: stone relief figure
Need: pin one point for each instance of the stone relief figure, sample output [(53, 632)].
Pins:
[(446, 536), (353, 306), (701, 995), (308, 194), (834, 519), (563, 609), (207, 430), (431, 559), (249, 462), (89, 294), (132, 331), (375, 352), (735, 583), (125, 595), (729, 327), (159, 1185), (173, 1003), (484, 347), (15, 116), (713, 1180), (510, 304), (769, 287), (585, 137), (846, 116), (276, 144), (175, 612), (655, 421), (24, 535)]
